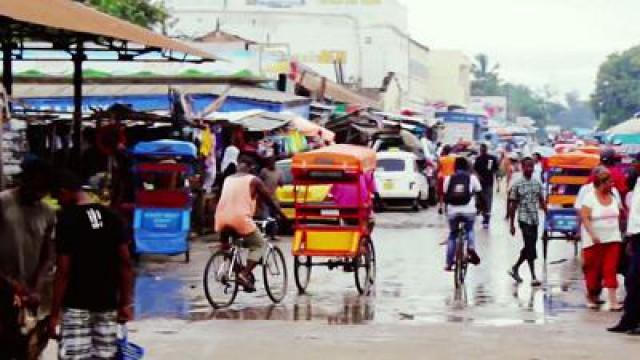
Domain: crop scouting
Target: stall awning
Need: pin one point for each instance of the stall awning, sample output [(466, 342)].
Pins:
[(336, 92), (72, 16)]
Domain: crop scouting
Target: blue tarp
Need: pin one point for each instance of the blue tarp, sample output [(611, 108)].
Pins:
[(165, 147), (161, 102)]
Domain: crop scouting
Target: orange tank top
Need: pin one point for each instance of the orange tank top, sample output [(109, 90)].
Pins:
[(236, 206)]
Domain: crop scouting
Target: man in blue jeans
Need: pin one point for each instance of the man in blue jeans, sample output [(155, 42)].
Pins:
[(460, 191)]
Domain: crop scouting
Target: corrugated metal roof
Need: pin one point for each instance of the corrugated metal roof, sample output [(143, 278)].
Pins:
[(75, 17), (66, 90)]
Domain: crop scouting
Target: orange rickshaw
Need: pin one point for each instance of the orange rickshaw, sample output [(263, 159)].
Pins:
[(565, 174), (335, 233)]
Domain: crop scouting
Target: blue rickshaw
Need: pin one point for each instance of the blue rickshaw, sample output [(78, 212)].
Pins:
[(163, 199)]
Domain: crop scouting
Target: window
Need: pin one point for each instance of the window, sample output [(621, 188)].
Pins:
[(391, 165)]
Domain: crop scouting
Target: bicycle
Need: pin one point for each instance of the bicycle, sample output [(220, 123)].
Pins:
[(461, 255), (221, 272)]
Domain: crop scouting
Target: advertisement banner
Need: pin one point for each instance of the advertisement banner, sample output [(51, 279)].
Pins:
[(493, 107)]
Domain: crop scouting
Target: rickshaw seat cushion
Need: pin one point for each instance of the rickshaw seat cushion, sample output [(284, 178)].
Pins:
[(162, 199)]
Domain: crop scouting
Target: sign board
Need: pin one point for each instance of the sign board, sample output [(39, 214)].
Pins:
[(454, 131), (493, 107)]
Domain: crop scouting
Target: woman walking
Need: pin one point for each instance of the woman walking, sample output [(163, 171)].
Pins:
[(601, 239)]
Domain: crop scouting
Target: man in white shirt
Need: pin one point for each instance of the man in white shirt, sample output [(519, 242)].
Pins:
[(461, 190)]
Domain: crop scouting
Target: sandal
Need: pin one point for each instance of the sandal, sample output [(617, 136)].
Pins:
[(617, 308), (245, 281)]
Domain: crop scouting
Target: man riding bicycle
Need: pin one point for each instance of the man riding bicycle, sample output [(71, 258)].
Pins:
[(460, 191), (235, 211)]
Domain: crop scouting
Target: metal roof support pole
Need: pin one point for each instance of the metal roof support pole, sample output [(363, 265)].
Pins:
[(7, 67), (78, 58)]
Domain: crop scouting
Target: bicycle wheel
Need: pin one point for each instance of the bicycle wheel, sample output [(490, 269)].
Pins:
[(220, 285), (274, 272), (302, 272), (365, 268), (461, 261)]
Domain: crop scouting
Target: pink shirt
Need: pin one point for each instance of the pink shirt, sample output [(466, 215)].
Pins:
[(346, 195)]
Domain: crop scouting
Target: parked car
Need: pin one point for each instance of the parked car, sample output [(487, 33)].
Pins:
[(400, 181)]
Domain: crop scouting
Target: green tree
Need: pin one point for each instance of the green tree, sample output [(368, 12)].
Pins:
[(146, 13), (486, 78), (617, 94)]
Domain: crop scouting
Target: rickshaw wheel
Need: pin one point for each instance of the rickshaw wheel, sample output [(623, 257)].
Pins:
[(302, 272), (365, 264)]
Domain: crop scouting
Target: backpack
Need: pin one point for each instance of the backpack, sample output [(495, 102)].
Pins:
[(459, 190)]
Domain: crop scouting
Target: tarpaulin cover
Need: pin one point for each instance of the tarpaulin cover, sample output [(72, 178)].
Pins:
[(165, 147), (574, 160), (73, 16)]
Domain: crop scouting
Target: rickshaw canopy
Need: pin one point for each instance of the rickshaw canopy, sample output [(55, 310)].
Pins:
[(165, 148), (342, 157), (594, 150), (574, 160)]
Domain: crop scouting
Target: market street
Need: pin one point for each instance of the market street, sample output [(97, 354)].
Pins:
[(414, 309)]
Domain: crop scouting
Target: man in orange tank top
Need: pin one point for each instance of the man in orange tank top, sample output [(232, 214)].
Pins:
[(235, 211)]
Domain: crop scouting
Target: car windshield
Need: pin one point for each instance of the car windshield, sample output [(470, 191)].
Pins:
[(391, 165)]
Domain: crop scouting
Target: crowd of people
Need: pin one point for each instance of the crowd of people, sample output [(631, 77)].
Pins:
[(608, 208)]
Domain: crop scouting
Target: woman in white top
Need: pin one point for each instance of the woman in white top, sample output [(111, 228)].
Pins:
[(601, 240)]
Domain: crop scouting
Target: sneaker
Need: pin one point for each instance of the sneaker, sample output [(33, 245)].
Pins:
[(448, 268), (515, 276), (536, 283), (620, 328), (473, 257), (634, 332), (485, 225)]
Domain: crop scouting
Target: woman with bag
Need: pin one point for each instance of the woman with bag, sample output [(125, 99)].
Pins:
[(601, 239)]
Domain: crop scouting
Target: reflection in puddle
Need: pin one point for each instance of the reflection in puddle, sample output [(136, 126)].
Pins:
[(160, 297), (354, 311)]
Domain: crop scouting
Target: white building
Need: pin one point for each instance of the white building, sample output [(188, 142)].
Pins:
[(449, 78), (368, 37)]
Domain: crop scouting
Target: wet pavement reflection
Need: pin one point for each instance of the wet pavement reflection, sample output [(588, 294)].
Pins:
[(411, 285)]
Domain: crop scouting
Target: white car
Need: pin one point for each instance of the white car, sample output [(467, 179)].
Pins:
[(399, 180)]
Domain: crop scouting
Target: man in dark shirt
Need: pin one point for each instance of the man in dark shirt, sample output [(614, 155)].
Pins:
[(93, 277), (486, 166)]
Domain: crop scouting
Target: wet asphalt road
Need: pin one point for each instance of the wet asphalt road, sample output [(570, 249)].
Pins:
[(413, 313), (411, 284)]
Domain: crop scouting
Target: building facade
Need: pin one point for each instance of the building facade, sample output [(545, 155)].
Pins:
[(449, 78), (368, 39)]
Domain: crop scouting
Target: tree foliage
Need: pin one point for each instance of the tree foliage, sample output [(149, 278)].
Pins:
[(524, 101), (617, 94), (146, 13), (486, 80)]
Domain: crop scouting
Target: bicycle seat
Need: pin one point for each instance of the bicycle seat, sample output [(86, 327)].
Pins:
[(459, 219), (228, 235)]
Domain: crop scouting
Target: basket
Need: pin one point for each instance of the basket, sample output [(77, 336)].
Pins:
[(128, 350)]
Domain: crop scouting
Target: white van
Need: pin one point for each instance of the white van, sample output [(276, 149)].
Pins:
[(399, 180)]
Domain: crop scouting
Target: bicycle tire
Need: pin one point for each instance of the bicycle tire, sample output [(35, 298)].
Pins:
[(460, 271), (276, 254), (365, 262), (230, 288), (302, 280)]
